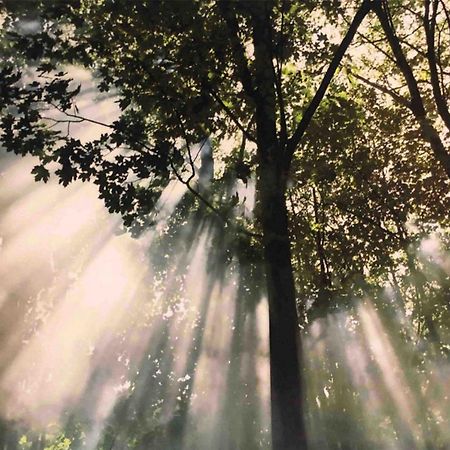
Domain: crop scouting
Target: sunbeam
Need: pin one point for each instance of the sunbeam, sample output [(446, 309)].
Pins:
[(97, 329)]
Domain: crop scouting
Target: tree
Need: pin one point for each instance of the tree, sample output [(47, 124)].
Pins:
[(422, 67), (220, 69)]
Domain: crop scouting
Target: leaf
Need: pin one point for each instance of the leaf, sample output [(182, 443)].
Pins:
[(41, 173)]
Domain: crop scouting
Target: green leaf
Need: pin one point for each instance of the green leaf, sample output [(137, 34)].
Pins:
[(41, 173)]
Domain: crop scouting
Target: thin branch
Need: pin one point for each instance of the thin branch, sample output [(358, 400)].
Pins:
[(192, 175), (373, 43), (186, 140), (411, 11), (193, 191), (447, 14), (210, 206), (397, 97), (96, 122), (413, 47), (81, 118), (439, 61), (244, 139), (413, 31), (56, 121), (231, 115)]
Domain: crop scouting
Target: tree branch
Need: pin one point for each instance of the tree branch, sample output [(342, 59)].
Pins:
[(416, 105), (320, 93), (397, 97), (81, 118), (447, 14), (382, 12), (186, 140), (231, 115), (430, 29), (372, 42)]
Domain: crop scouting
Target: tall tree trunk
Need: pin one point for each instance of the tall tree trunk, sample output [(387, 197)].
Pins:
[(288, 429)]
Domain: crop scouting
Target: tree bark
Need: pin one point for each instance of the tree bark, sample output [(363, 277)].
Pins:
[(288, 429)]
